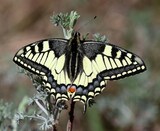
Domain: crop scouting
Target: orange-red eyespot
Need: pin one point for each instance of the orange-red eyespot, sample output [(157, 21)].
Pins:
[(71, 89)]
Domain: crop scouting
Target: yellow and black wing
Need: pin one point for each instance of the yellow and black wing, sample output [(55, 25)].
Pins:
[(102, 62), (47, 59), (112, 62)]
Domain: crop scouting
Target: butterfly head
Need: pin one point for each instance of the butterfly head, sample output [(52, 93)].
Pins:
[(76, 35)]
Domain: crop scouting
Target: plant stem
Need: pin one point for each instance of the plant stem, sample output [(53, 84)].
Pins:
[(54, 128), (71, 117)]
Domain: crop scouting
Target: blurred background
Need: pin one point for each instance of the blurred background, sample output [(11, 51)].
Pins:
[(130, 104)]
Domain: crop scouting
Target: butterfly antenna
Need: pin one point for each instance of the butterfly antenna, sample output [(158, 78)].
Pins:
[(89, 21)]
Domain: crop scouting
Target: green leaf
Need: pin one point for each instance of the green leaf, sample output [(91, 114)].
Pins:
[(66, 21)]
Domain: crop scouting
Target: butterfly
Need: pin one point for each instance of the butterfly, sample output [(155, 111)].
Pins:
[(77, 69)]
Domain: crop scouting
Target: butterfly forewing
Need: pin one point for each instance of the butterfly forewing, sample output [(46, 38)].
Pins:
[(112, 62)]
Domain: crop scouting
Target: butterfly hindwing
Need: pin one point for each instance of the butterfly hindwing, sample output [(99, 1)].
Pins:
[(88, 87)]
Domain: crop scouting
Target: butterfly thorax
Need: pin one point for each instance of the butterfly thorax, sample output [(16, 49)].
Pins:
[(74, 61)]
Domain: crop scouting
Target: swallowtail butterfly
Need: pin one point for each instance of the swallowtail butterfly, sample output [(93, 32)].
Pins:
[(77, 69)]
